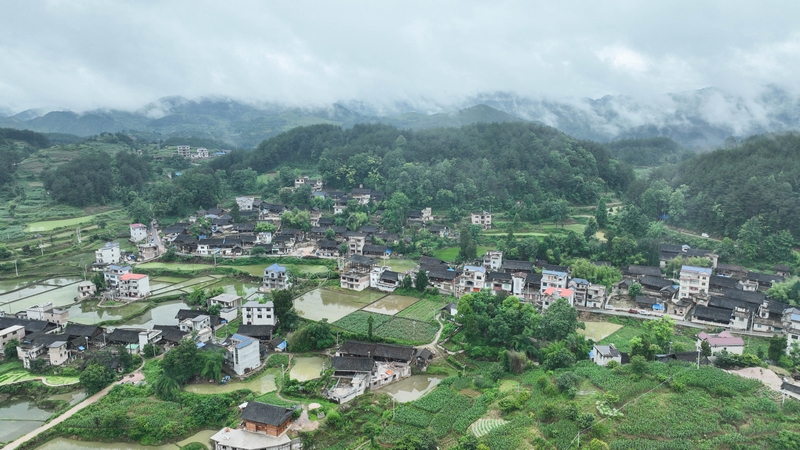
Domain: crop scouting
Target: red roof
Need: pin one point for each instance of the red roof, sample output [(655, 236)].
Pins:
[(132, 276), (723, 338), (566, 293), (138, 225)]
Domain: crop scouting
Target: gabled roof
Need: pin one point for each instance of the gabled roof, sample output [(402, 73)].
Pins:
[(442, 274), (327, 244), (764, 277), (361, 260), (789, 387), (257, 331), (498, 276), (428, 261), (513, 265), (184, 314), (375, 350), (553, 267), (609, 351), (124, 336), (645, 300), (389, 275), (713, 314), (723, 338), (533, 278), (723, 282), (371, 248), (729, 303), (655, 282), (553, 291), (31, 326), (275, 268), (76, 330), (170, 333), (266, 413), (352, 364), (751, 297), (644, 270)]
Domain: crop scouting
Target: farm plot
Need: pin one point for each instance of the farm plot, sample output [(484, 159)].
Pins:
[(598, 331), (391, 304), (356, 322), (482, 427), (423, 310), (406, 329)]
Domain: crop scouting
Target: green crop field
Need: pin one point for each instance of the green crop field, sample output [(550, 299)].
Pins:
[(423, 310), (49, 225), (176, 266), (407, 329), (356, 321)]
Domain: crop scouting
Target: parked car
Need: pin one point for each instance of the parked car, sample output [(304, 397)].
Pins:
[(633, 311)]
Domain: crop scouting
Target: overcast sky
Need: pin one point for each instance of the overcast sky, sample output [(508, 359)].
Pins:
[(123, 54)]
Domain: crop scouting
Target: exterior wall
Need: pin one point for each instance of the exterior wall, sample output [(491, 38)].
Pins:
[(16, 332), (271, 430), (58, 355), (692, 283), (553, 279), (483, 220), (275, 280), (355, 281), (138, 232), (355, 245), (108, 254), (261, 315), (246, 358), (603, 361)]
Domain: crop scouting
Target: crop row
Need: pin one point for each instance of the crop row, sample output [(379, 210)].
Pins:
[(356, 322), (410, 330), (423, 310), (409, 415)]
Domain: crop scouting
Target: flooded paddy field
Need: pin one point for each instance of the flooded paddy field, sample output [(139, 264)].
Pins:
[(332, 305), (411, 388), (308, 368), (391, 304)]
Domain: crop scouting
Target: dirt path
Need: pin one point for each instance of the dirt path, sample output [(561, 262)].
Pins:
[(137, 376), (766, 376)]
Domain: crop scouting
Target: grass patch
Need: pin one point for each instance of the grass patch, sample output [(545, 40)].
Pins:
[(49, 225)]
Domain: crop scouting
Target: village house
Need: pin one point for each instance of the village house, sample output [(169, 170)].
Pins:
[(255, 313), (554, 279), (109, 253), (138, 232), (13, 332), (763, 281), (236, 439), (356, 273), (482, 219), (245, 203), (392, 362), (439, 230), (604, 354), (47, 312), (769, 316), (731, 270), (472, 279), (648, 303), (493, 260), (226, 301), (113, 273), (352, 375), (668, 252), (134, 285), (444, 280), (723, 341), (147, 251), (693, 281), (86, 289), (200, 153), (498, 282), (51, 348), (243, 353), (637, 272), (356, 243), (383, 279), (791, 326), (183, 151), (532, 288), (272, 420), (551, 294), (276, 277), (416, 216), (327, 248), (514, 266)]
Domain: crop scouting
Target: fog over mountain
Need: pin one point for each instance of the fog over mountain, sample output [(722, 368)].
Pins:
[(695, 71), (696, 119)]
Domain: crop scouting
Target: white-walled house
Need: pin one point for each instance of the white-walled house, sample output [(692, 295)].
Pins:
[(694, 280), (113, 273), (108, 254), (604, 354), (138, 232), (276, 277), (255, 313), (134, 285), (243, 353), (722, 341)]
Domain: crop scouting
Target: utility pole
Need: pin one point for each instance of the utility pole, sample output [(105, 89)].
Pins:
[(16, 269)]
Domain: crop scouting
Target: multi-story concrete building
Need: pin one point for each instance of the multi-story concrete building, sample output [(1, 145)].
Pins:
[(113, 273), (472, 279), (255, 313), (108, 254), (48, 313), (184, 150), (553, 278), (138, 232), (482, 219), (693, 281), (276, 277), (493, 260), (134, 285)]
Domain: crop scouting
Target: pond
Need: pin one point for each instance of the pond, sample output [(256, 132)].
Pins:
[(411, 388), (262, 383), (233, 287), (73, 398), (332, 305), (163, 314), (307, 368), (391, 304), (40, 294), (203, 437), (88, 313), (19, 417), (16, 283)]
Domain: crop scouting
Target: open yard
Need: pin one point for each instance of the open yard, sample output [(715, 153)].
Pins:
[(598, 331)]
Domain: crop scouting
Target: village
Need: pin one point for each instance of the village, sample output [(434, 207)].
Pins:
[(710, 296)]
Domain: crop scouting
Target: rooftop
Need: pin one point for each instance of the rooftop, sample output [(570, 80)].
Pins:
[(266, 413), (703, 270), (132, 276), (723, 338), (243, 439)]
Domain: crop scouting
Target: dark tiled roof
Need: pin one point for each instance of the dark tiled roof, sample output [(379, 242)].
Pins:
[(378, 351), (389, 275), (184, 314), (323, 221), (764, 277), (645, 300), (729, 303), (723, 282), (123, 336), (511, 265), (428, 261), (257, 331), (374, 249), (655, 282), (245, 227), (266, 413), (170, 333), (553, 267), (442, 274), (74, 330), (790, 388), (498, 276), (31, 326), (533, 278), (713, 314), (352, 364), (644, 270), (327, 244), (729, 268), (361, 260), (751, 297)]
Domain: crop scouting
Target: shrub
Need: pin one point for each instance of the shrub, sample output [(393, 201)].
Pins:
[(731, 415), (585, 421), (567, 380)]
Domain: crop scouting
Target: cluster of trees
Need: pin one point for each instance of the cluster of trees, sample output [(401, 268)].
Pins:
[(16, 145), (498, 321), (100, 371), (649, 152), (184, 362), (97, 178)]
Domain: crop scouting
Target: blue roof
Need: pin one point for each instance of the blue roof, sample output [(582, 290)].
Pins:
[(282, 345), (795, 317), (704, 270), (245, 340), (580, 281), (276, 268), (553, 272), (475, 268), (658, 307)]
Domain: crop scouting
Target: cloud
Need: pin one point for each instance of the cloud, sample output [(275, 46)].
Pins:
[(124, 54)]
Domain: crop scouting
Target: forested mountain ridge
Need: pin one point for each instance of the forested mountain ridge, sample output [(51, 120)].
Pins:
[(478, 165), (751, 190)]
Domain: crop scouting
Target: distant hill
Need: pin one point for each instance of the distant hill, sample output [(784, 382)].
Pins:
[(231, 122), (701, 119)]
